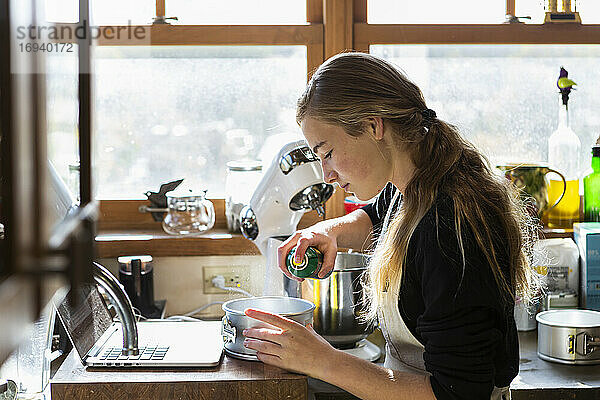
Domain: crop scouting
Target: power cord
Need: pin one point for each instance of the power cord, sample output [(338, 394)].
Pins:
[(219, 282), (197, 310), (138, 315), (182, 318)]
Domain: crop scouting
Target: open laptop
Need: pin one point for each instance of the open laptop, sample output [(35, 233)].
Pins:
[(98, 340)]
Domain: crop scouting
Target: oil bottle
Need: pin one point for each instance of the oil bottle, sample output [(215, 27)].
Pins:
[(309, 266), (591, 188), (563, 155)]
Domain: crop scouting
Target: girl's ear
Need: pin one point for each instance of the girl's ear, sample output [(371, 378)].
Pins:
[(375, 127)]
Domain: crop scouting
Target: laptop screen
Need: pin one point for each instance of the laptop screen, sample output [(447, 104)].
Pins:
[(86, 321)]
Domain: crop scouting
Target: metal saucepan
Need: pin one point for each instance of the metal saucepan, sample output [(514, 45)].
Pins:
[(338, 301), (569, 336), (235, 321)]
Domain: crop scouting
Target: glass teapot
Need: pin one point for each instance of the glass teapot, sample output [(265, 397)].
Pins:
[(189, 213)]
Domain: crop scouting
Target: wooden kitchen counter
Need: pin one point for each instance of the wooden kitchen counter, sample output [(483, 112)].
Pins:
[(236, 379), (537, 379), (544, 380), (233, 379)]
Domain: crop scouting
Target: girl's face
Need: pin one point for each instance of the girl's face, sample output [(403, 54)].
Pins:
[(357, 164)]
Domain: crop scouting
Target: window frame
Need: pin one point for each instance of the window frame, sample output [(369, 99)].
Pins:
[(122, 216), (366, 34), (334, 26)]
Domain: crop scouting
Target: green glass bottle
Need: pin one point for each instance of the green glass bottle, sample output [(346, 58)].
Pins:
[(591, 188)]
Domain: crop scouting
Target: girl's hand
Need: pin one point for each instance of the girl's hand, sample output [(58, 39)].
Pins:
[(288, 345), (312, 236)]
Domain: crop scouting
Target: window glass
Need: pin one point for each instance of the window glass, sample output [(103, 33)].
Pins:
[(237, 12), (164, 113), (589, 11), (61, 10), (213, 12), (119, 12), (62, 107), (436, 12), (103, 12), (504, 98)]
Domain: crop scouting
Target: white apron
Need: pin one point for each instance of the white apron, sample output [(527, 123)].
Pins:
[(403, 352)]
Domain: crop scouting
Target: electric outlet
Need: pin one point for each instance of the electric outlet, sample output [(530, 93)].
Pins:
[(235, 276)]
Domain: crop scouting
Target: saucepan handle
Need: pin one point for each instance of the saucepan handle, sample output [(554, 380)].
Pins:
[(228, 331)]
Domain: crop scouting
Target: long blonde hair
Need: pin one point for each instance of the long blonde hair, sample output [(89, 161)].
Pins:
[(348, 89)]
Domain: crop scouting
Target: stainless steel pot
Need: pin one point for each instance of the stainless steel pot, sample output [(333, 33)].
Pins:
[(569, 336), (235, 321), (338, 301)]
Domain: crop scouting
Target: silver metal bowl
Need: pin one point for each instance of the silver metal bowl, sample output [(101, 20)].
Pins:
[(235, 321), (338, 301)]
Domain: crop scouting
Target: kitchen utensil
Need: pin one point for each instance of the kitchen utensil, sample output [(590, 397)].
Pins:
[(531, 178), (292, 185), (241, 181), (189, 213), (569, 336), (8, 390), (338, 301), (235, 321), (136, 273)]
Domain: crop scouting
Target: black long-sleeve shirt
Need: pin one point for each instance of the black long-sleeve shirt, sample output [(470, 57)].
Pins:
[(467, 328)]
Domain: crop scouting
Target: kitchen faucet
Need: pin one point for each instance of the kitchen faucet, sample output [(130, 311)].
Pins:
[(123, 307)]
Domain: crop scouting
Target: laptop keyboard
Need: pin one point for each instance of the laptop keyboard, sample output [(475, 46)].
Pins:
[(146, 353)]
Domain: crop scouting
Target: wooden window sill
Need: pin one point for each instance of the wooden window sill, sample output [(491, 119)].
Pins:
[(123, 230), (216, 242), (160, 244)]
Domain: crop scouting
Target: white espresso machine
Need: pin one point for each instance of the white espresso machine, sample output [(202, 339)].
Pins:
[(291, 185)]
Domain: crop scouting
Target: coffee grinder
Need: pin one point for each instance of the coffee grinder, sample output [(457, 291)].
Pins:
[(136, 276)]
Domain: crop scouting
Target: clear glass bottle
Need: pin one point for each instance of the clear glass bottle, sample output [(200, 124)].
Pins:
[(563, 155), (242, 179), (591, 188)]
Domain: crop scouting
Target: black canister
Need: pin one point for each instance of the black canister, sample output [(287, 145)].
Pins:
[(136, 275)]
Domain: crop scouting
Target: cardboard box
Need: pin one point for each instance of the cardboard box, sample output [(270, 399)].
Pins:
[(587, 237)]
